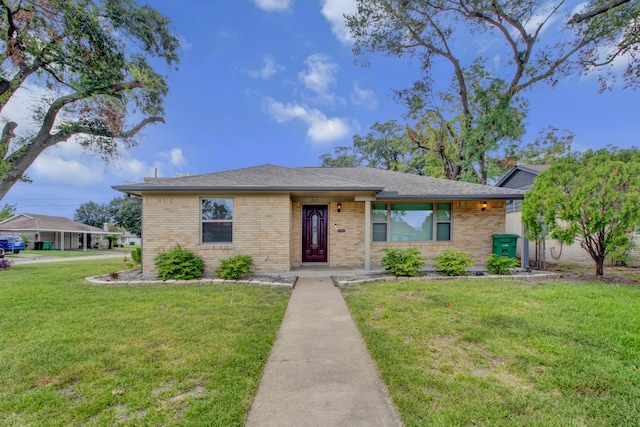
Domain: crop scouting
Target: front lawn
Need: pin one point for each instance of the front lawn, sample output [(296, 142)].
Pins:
[(505, 353), (56, 253), (76, 354)]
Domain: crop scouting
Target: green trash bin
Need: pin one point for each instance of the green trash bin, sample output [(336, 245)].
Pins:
[(505, 244), (47, 246)]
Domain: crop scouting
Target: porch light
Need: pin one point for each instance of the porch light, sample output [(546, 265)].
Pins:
[(339, 207), (484, 206)]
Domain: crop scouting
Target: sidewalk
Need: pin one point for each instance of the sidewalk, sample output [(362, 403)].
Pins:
[(320, 372)]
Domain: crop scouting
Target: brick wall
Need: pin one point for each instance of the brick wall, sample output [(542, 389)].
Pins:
[(296, 234), (471, 230), (269, 229), (346, 248), (261, 229)]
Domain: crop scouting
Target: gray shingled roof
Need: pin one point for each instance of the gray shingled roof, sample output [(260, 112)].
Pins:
[(387, 184), (33, 222), (533, 169)]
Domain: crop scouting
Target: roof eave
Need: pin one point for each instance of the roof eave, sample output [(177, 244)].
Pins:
[(133, 189), (387, 196)]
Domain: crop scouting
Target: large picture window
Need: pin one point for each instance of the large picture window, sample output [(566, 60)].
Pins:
[(411, 222), (217, 220)]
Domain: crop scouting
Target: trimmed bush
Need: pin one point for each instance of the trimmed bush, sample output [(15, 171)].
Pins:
[(497, 264), (178, 264), (402, 262), (235, 267), (136, 255), (453, 262)]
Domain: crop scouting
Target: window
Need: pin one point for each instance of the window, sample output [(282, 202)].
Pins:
[(411, 222), (443, 222), (217, 220)]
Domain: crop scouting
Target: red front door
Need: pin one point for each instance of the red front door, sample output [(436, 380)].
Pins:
[(314, 233)]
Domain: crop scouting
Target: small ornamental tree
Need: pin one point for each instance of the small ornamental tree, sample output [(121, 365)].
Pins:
[(592, 197)]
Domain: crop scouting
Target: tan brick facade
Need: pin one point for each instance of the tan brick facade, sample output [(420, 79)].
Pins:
[(346, 249), (268, 227), (261, 226), (471, 230)]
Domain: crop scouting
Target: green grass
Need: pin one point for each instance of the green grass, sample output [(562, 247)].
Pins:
[(76, 354), (504, 353), (60, 254)]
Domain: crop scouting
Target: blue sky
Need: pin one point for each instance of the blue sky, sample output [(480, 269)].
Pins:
[(275, 81)]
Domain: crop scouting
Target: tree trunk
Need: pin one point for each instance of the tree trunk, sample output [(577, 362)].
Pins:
[(599, 266)]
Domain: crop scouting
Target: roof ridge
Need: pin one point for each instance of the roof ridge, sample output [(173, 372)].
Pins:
[(338, 177)]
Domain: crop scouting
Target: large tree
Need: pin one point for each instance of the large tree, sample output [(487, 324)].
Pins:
[(126, 212), (95, 63), (386, 146), (93, 214), (537, 42), (592, 197)]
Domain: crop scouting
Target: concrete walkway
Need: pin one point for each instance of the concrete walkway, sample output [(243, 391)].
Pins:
[(320, 372)]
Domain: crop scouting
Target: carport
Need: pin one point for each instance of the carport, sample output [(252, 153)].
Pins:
[(52, 232)]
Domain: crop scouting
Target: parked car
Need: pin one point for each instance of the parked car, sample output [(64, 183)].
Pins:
[(11, 243)]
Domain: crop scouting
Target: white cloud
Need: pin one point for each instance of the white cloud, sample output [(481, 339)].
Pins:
[(184, 43), (20, 107), (273, 5), (320, 76), (334, 11), (67, 163), (136, 169), (177, 158), (542, 16), (269, 68), (497, 62), (365, 97), (581, 7), (321, 130)]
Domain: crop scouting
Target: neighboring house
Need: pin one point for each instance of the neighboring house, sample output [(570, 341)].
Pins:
[(521, 177), (126, 238), (62, 233), (336, 217)]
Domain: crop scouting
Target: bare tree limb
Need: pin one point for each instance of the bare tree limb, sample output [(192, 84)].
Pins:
[(581, 17)]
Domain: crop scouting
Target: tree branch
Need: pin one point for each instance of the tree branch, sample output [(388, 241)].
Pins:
[(60, 103), (5, 139), (581, 17)]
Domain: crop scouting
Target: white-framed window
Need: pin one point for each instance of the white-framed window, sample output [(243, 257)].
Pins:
[(411, 222), (217, 220)]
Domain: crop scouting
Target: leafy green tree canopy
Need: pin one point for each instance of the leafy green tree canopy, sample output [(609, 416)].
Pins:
[(384, 147), (481, 111), (95, 61), (93, 214), (7, 211), (593, 197), (126, 212)]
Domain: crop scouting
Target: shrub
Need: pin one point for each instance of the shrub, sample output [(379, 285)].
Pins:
[(497, 264), (5, 264), (178, 264), (453, 262), (136, 255), (402, 262), (235, 267)]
